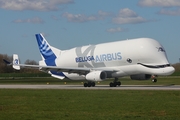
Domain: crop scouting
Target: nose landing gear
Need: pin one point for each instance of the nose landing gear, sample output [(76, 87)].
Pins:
[(154, 80)]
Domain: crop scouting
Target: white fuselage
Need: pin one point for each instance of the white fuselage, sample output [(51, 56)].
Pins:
[(126, 57)]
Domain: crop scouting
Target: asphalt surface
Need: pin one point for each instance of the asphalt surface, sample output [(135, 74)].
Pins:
[(100, 87)]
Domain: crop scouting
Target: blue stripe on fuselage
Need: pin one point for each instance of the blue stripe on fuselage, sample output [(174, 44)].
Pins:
[(58, 73)]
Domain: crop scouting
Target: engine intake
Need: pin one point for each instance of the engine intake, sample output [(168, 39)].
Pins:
[(96, 76)]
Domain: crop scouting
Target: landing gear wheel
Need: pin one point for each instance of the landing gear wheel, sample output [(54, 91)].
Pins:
[(114, 84), (154, 80), (118, 83), (111, 84), (85, 84), (89, 84), (93, 84)]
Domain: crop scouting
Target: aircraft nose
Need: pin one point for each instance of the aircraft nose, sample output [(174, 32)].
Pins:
[(169, 70)]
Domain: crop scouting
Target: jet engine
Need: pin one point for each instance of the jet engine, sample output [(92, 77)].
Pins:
[(140, 77), (96, 76)]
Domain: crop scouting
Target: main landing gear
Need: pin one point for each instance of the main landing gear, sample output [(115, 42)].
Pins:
[(89, 84), (111, 84), (115, 83)]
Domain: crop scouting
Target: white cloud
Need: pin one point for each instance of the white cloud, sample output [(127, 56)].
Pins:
[(161, 3), (114, 30), (78, 17), (175, 12), (54, 17), (36, 20), (84, 18), (103, 14), (166, 4), (127, 16), (37, 5)]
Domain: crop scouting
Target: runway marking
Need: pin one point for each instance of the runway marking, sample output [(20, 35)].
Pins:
[(97, 87)]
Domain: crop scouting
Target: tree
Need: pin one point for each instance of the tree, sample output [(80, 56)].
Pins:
[(29, 70), (31, 62), (4, 68), (176, 66)]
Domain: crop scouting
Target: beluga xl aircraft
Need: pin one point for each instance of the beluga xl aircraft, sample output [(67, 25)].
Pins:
[(141, 59)]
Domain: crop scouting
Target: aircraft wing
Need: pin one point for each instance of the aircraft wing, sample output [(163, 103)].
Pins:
[(81, 71), (78, 70)]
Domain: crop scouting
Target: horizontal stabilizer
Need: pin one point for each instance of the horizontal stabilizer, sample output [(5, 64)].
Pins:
[(7, 62)]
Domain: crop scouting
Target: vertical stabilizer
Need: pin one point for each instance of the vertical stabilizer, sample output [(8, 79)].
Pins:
[(48, 52), (16, 62)]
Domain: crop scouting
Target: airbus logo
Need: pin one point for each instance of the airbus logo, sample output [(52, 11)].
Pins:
[(16, 61), (88, 58), (100, 58)]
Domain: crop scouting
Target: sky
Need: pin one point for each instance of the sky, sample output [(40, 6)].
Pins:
[(73, 23)]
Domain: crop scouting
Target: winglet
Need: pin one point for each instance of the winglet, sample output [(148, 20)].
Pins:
[(16, 62)]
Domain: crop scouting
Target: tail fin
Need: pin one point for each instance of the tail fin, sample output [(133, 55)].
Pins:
[(16, 62), (48, 52)]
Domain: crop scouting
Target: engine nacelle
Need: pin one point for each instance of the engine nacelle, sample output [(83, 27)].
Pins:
[(96, 76), (140, 77)]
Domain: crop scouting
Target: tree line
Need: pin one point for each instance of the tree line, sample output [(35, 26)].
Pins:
[(4, 68), (176, 66)]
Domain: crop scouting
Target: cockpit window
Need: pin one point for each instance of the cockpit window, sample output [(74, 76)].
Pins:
[(161, 49), (129, 60)]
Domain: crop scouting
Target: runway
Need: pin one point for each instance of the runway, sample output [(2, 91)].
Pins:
[(98, 87)]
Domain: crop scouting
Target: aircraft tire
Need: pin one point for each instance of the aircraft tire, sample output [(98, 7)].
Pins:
[(111, 84), (119, 83), (93, 84), (85, 84), (154, 80), (89, 84), (114, 84)]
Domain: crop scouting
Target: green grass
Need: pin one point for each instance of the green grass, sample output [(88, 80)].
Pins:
[(89, 105), (176, 73), (14, 75), (125, 81), (42, 74)]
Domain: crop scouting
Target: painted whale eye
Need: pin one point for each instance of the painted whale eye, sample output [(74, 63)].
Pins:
[(161, 49), (129, 60)]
